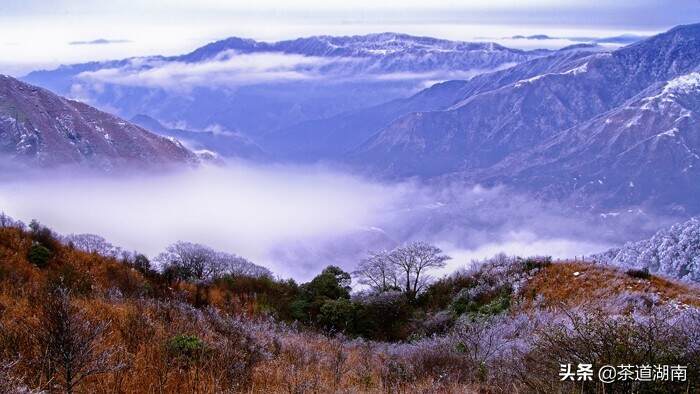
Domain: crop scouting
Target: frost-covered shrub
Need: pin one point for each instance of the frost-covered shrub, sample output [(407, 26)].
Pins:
[(492, 284), (489, 344), (663, 335), (8, 222), (396, 373), (191, 261), (475, 303), (627, 301), (436, 323), (402, 364), (237, 349), (436, 358), (674, 252)]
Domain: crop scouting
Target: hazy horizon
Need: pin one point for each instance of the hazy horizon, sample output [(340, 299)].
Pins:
[(37, 35)]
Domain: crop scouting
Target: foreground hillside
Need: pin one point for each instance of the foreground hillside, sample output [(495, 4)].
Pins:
[(73, 321)]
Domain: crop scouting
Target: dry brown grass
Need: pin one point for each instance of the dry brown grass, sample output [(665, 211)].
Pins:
[(142, 324), (243, 351), (558, 285)]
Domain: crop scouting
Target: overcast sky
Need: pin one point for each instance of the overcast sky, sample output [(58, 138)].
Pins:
[(35, 33)]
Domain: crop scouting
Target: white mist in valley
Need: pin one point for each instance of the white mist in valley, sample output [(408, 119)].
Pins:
[(296, 220), (241, 209)]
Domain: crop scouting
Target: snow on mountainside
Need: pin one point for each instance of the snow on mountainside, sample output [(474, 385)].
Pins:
[(354, 46), (379, 53), (647, 150), (674, 252), (584, 127), (41, 129), (257, 87), (684, 84)]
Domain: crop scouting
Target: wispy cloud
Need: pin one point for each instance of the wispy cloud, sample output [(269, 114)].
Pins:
[(555, 42), (231, 69), (99, 41), (226, 69), (437, 75)]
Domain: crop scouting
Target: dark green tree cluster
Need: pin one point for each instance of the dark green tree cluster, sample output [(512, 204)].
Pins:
[(331, 285), (43, 244)]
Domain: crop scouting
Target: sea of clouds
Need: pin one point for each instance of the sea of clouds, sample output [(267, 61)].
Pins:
[(297, 219)]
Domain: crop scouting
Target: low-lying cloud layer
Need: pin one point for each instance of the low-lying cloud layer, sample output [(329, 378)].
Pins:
[(226, 69), (295, 220), (230, 69)]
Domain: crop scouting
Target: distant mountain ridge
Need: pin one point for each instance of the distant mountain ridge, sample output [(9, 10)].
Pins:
[(39, 128), (488, 124), (425, 53), (333, 75)]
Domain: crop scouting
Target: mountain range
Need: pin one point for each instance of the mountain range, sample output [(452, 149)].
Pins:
[(255, 87), (610, 129), (39, 128), (605, 129)]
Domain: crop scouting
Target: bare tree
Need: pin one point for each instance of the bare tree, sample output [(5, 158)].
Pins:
[(190, 260), (378, 272), (412, 262), (199, 262), (92, 243), (7, 221), (237, 265), (404, 267), (71, 342)]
